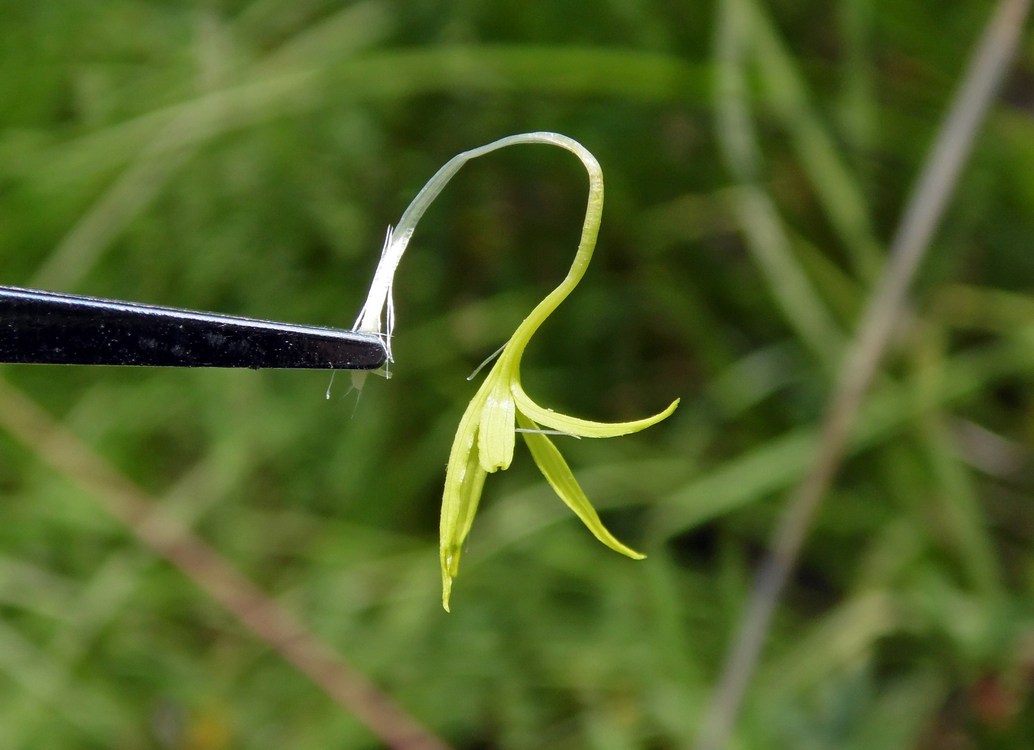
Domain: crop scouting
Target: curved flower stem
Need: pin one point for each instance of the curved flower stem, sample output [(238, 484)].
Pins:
[(377, 315)]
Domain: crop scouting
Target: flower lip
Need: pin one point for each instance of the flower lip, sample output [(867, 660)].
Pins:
[(496, 434)]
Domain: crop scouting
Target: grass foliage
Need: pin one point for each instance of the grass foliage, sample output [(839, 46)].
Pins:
[(246, 156)]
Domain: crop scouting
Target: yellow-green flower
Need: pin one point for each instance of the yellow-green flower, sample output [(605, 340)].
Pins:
[(484, 443), (486, 436)]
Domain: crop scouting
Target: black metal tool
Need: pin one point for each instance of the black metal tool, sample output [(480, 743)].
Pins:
[(65, 329)]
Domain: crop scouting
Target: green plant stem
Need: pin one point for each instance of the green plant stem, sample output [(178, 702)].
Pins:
[(378, 303), (925, 209)]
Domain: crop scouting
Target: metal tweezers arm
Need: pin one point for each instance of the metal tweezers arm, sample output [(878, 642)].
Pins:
[(63, 329)]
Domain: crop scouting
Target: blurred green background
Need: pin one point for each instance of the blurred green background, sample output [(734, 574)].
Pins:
[(246, 157)]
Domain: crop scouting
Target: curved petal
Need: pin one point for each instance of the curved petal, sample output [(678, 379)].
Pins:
[(583, 427), (560, 478)]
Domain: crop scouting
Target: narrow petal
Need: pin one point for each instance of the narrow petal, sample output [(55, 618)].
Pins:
[(468, 495), (496, 427), (464, 480), (560, 478), (583, 427)]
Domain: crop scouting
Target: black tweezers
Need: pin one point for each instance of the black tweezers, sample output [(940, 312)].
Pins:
[(66, 329)]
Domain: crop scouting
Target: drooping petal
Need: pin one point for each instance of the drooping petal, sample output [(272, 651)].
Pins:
[(496, 429), (560, 478), (451, 544), (464, 480), (582, 427)]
